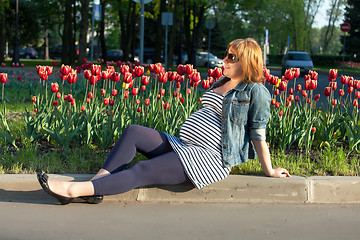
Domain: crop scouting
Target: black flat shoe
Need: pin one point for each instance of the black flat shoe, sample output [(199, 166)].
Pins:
[(93, 199), (43, 180)]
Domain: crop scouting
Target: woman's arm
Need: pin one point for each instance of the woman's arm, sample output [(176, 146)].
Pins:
[(264, 157)]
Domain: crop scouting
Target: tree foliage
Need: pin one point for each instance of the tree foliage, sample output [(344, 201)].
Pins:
[(352, 16)]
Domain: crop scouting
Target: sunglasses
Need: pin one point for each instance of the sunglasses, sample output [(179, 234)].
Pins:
[(231, 57)]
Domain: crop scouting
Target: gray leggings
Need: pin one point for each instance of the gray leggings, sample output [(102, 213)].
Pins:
[(162, 168)]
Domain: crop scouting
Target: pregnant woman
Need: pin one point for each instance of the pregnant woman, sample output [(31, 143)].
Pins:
[(229, 129)]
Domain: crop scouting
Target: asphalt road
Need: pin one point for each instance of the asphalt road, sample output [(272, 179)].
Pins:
[(109, 220)]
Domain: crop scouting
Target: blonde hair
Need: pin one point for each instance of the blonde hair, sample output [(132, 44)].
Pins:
[(249, 54)]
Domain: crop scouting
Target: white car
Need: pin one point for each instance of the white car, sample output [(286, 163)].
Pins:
[(203, 59), (297, 59)]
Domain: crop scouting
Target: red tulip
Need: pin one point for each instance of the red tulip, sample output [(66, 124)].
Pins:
[(134, 91), (87, 74), (308, 100), (273, 101), (147, 101), (281, 113), (188, 69), (276, 92), (58, 95), (72, 77), (114, 92), (357, 94), (163, 77), (205, 84), (298, 87), (351, 82), (54, 87), (327, 91), (103, 92), (277, 104), (167, 106), (210, 71), (355, 103), (344, 79), (138, 71), (83, 108), (313, 129), (341, 92), (217, 73), (304, 93), (106, 101), (124, 69), (307, 84), (55, 103), (307, 77), (195, 79), (182, 100), (34, 99), (291, 91), (297, 98), (145, 80), (111, 102), (127, 78), (105, 75), (333, 85), (289, 75), (332, 74), (296, 72), (138, 110), (282, 86), (115, 77), (181, 70), (291, 98), (96, 69), (43, 74), (172, 76), (350, 89), (317, 97), (3, 77), (162, 92), (143, 88), (313, 85), (313, 75), (266, 73), (126, 94), (356, 84), (49, 70), (158, 68), (334, 102), (90, 95), (65, 70)]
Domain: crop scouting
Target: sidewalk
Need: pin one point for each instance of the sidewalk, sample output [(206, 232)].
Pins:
[(234, 189)]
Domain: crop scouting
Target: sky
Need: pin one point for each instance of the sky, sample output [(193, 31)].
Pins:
[(321, 19)]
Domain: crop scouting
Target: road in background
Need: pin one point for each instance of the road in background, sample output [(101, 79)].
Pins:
[(115, 220)]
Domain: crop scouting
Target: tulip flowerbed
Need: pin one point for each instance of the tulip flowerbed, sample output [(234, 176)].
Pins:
[(88, 107)]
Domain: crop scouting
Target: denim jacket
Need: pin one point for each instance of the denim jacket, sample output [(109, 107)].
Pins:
[(245, 113)]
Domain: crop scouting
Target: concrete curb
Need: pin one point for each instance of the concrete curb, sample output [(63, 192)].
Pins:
[(233, 189)]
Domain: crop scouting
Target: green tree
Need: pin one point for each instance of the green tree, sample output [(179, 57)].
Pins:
[(352, 16)]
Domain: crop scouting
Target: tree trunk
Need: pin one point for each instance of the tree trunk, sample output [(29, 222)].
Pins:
[(158, 31), (127, 25), (102, 31), (46, 42), (2, 33), (67, 34), (84, 24)]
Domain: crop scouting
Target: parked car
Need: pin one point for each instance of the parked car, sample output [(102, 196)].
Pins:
[(297, 59), (204, 59), (148, 55), (114, 55), (29, 53)]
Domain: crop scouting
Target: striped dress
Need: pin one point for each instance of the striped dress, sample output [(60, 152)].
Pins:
[(199, 145)]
